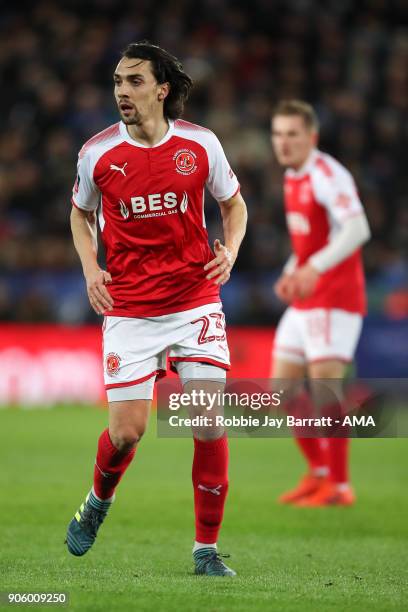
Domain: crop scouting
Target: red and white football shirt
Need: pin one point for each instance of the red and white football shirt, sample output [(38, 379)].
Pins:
[(318, 199), (151, 214)]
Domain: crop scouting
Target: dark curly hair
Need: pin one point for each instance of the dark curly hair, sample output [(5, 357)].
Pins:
[(166, 69)]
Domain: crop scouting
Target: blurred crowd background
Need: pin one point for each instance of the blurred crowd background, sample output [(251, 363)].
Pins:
[(349, 59)]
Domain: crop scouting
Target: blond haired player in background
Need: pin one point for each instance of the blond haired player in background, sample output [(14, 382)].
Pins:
[(323, 284)]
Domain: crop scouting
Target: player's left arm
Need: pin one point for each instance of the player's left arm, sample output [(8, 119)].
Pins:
[(343, 204), (234, 219), (353, 234)]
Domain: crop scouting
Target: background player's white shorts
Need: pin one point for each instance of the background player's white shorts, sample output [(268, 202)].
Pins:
[(135, 350), (317, 334)]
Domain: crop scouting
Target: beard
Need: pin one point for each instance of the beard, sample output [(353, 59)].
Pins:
[(134, 119)]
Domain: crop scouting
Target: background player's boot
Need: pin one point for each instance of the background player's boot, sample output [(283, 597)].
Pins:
[(209, 563), (309, 485), (84, 526), (328, 495)]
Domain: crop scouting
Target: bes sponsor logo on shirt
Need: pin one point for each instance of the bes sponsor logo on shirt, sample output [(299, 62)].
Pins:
[(154, 205), (185, 160)]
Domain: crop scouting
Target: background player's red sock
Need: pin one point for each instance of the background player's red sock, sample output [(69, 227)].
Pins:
[(314, 450), (337, 448), (210, 483), (110, 466), (337, 453)]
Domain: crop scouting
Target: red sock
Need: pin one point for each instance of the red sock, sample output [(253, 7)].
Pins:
[(210, 483), (110, 465), (337, 448), (337, 453), (314, 451)]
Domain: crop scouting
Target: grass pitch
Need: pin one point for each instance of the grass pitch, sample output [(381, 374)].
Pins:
[(343, 559)]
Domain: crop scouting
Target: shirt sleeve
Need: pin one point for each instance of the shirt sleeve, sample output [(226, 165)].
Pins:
[(221, 182), (338, 194), (290, 265), (353, 234), (85, 194)]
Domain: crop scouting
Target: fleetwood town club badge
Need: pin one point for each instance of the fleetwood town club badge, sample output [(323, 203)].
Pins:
[(112, 364), (185, 160)]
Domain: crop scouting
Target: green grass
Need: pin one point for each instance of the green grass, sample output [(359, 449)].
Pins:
[(343, 559)]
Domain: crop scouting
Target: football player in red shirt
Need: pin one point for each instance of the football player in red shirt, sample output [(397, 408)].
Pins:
[(145, 178), (323, 284)]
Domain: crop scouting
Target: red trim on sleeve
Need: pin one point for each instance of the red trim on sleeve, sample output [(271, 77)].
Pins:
[(233, 195), (237, 191), (79, 208), (160, 373)]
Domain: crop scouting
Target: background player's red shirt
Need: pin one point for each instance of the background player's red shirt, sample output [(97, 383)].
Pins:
[(318, 198), (151, 214)]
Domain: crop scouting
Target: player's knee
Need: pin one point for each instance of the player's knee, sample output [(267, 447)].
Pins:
[(206, 434), (126, 439), (330, 369)]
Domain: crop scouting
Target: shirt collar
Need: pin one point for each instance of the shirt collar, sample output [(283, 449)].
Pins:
[(305, 168), (126, 136)]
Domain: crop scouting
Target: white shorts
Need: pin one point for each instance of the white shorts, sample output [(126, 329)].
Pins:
[(135, 350), (317, 334)]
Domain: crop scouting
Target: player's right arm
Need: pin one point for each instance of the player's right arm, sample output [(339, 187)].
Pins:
[(85, 200), (83, 226)]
